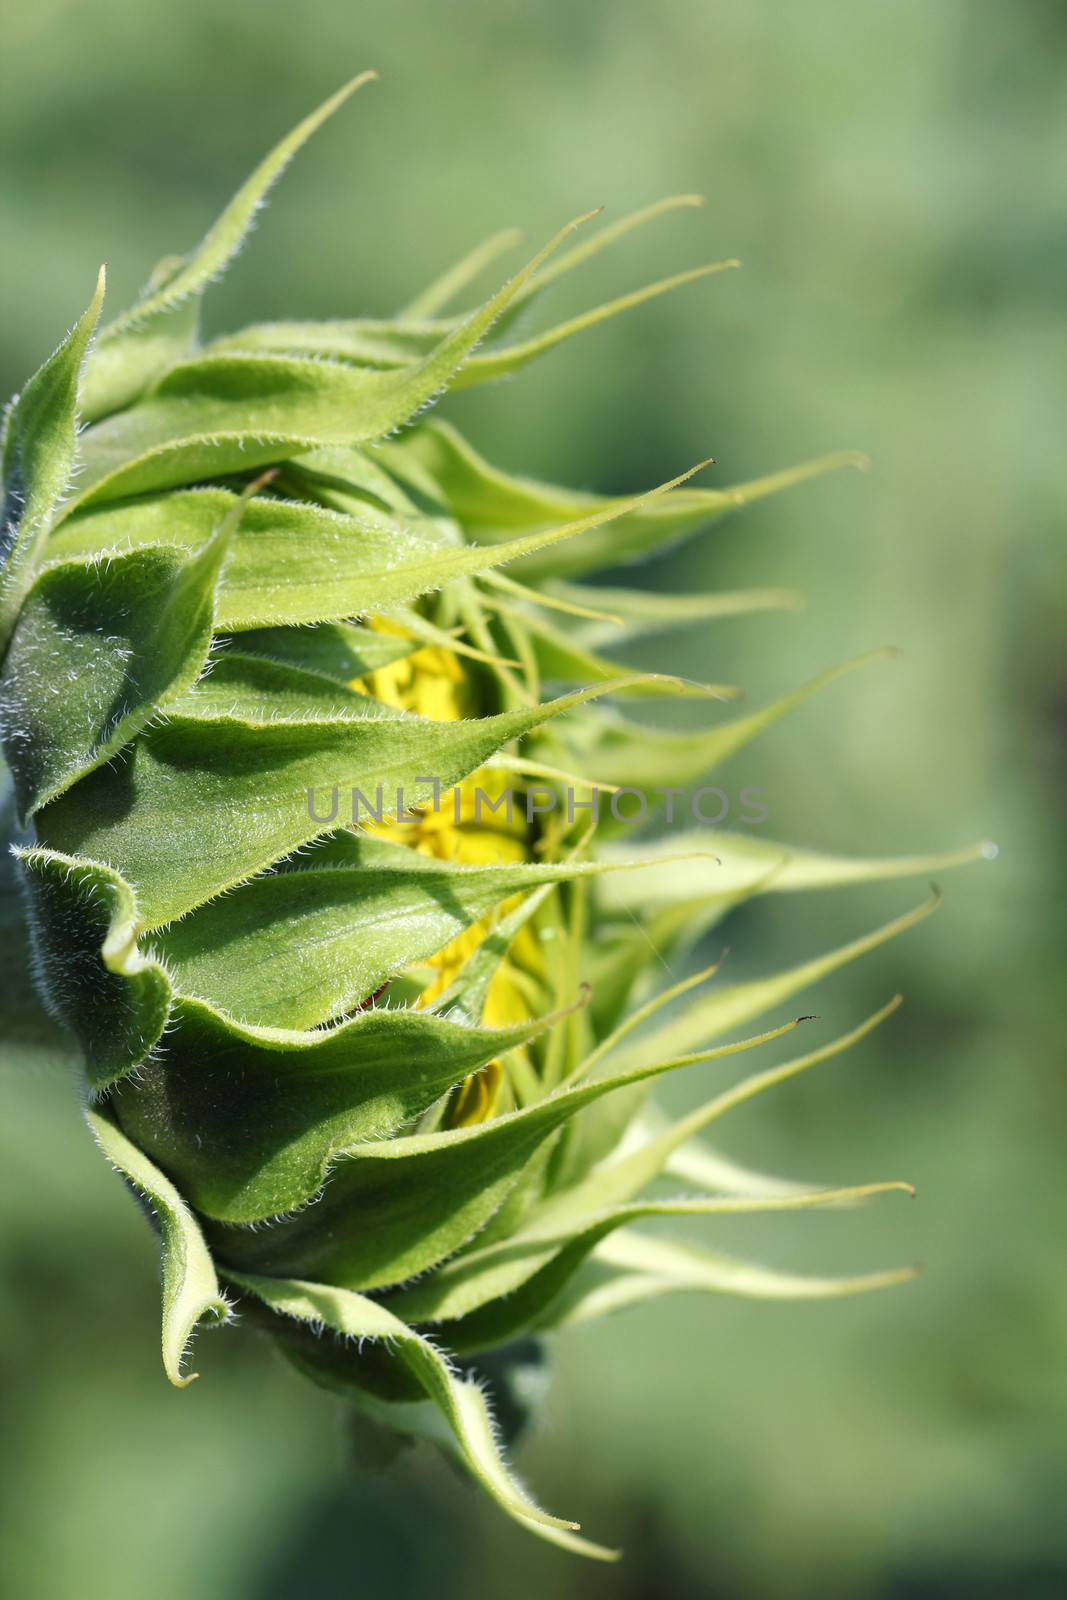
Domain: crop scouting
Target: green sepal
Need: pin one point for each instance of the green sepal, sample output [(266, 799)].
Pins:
[(202, 803), (39, 449), (114, 999), (249, 1120), (630, 755), (695, 878), (699, 1166), (386, 345), (427, 1193), (720, 1010), (562, 659), (608, 1177), (338, 650), (255, 689), (733, 1005), (460, 1401), (232, 412), (31, 1035), (377, 343), (490, 1296), (627, 614), (347, 477), (443, 290), (162, 326), (436, 462), (97, 646), (503, 361), (594, 242), (294, 562), (191, 1292), (631, 1268), (301, 948)]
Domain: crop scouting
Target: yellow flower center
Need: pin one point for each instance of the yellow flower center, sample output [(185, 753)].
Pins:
[(431, 682)]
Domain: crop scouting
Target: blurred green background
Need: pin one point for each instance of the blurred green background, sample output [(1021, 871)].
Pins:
[(892, 174)]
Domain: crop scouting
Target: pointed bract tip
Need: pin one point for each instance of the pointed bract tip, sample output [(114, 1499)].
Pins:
[(340, 95), (579, 221), (705, 973), (259, 483), (557, 239), (92, 312)]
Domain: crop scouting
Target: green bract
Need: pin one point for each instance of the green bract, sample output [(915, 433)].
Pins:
[(214, 558)]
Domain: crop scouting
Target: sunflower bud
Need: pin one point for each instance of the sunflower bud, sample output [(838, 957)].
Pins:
[(316, 813)]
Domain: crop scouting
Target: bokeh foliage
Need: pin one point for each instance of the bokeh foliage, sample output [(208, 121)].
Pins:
[(892, 177)]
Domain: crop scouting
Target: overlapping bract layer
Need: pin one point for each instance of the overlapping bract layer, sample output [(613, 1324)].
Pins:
[(187, 666)]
